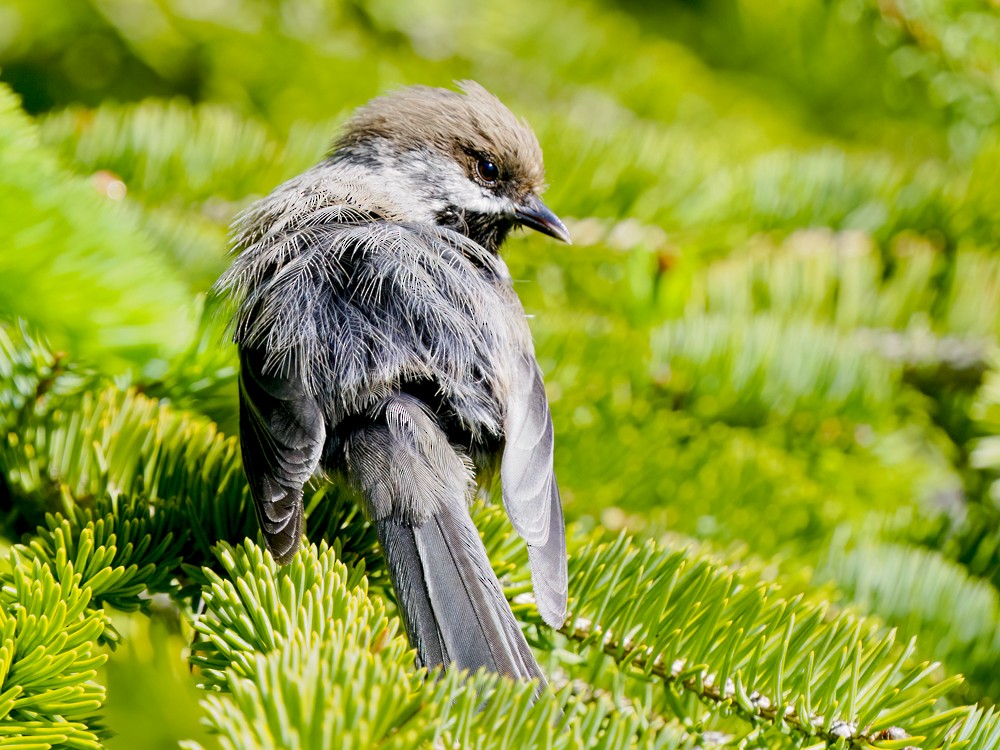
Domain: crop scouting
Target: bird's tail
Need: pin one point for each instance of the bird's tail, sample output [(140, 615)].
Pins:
[(452, 605), (416, 488)]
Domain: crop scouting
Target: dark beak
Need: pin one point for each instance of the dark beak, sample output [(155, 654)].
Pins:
[(536, 215)]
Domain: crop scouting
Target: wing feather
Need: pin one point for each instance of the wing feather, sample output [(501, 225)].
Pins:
[(530, 492), (281, 436)]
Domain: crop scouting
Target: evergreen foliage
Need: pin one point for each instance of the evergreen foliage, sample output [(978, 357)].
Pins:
[(117, 300), (49, 657), (776, 333), (927, 594)]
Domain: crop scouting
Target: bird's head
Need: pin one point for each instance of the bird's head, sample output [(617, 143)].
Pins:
[(459, 160)]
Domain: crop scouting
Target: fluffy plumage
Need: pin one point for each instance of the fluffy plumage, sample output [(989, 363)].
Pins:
[(381, 341)]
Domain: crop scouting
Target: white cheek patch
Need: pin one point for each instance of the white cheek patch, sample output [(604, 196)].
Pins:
[(418, 185), (469, 196)]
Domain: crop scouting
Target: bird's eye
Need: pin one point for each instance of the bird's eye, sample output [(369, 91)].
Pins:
[(488, 171)]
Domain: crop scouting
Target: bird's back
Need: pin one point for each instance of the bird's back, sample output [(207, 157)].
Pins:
[(390, 304)]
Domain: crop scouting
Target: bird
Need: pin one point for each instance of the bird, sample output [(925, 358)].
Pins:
[(382, 345)]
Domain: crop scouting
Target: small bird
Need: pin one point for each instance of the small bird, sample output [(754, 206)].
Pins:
[(381, 344)]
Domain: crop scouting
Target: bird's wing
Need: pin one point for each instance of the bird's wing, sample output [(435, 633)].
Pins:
[(281, 289), (530, 492), (281, 435)]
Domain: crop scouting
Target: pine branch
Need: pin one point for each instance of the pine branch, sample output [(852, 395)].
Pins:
[(48, 659), (310, 660), (698, 628), (119, 304), (258, 607), (844, 279), (701, 628), (163, 150), (120, 554), (745, 371), (925, 595), (75, 439), (673, 616)]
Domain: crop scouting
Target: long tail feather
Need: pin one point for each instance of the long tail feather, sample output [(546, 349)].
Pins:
[(452, 604)]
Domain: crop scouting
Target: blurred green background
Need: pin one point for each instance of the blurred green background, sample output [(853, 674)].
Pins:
[(776, 331)]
